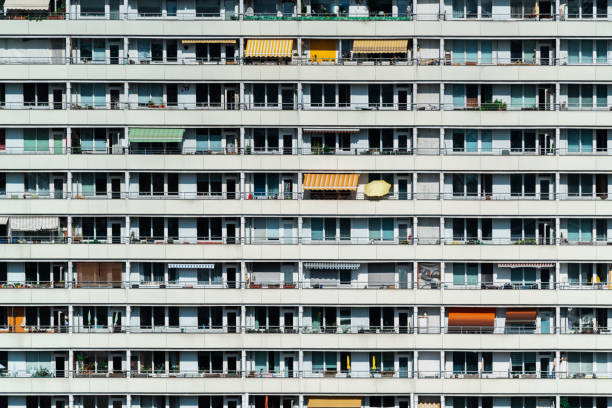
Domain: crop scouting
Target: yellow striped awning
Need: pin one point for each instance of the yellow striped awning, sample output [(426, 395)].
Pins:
[(208, 41), (269, 48), (380, 46), (334, 402), (320, 181)]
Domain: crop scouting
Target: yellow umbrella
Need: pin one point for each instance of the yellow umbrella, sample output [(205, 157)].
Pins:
[(377, 188), (348, 362), (373, 362)]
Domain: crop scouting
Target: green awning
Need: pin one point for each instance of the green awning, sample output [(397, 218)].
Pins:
[(149, 135)]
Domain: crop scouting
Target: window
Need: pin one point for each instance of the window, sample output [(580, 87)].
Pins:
[(36, 140), (465, 362), (92, 8), (93, 95), (579, 230), (324, 361), (523, 97), (523, 277), (465, 229), (380, 96), (209, 141), (208, 95), (523, 363), (580, 140), (580, 185), (523, 141), (580, 363), (522, 230), (209, 185), (149, 8), (209, 229), (326, 229), (580, 96), (265, 185), (208, 8), (150, 95), (265, 95), (324, 95), (381, 229), (35, 94), (465, 274), (151, 272), (265, 140), (465, 185), (36, 183)]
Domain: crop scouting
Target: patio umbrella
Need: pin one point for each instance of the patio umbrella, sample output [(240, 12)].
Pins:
[(348, 362), (377, 188), (115, 319), (373, 362), (89, 317)]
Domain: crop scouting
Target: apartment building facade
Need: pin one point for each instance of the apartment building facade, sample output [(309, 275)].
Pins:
[(305, 204)]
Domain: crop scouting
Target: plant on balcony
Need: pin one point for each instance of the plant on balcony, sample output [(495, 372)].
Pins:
[(42, 372), (496, 105)]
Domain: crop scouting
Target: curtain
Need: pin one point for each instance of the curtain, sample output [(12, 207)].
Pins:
[(529, 51), (458, 274), (458, 8), (272, 228), (387, 229), (29, 140), (573, 225), (516, 96), (99, 50), (87, 184), (99, 95), (530, 96), (374, 229), (261, 358), (471, 51), (587, 51), (215, 143), (272, 184), (587, 96), (317, 361), (458, 96), (602, 96), (486, 53), (573, 51), (471, 140), (42, 140), (573, 140), (586, 140), (459, 51), (157, 94), (573, 96), (316, 229), (144, 50), (586, 230), (87, 140), (472, 274), (86, 94), (601, 46), (486, 141)]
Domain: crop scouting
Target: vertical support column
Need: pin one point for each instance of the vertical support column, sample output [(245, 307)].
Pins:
[(69, 141), (241, 17), (442, 327), (442, 368), (298, 11), (301, 322), (558, 319), (242, 186), (415, 226), (243, 361), (442, 136), (126, 102), (69, 229), (67, 17), (125, 16), (69, 187), (68, 51), (241, 55), (442, 51), (557, 231), (415, 366), (441, 186), (557, 185), (442, 231), (415, 51), (557, 96), (301, 396), (243, 280), (441, 98), (242, 145), (70, 320), (128, 320), (442, 284), (300, 229), (128, 230), (300, 275), (243, 322), (414, 135), (128, 273), (558, 14), (126, 50), (301, 363), (441, 15), (299, 142), (243, 233), (415, 314), (68, 95), (557, 141), (557, 60), (245, 400), (300, 186), (415, 91), (298, 97), (557, 274)]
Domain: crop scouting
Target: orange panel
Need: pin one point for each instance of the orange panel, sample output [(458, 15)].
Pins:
[(520, 315), (474, 317), (17, 319)]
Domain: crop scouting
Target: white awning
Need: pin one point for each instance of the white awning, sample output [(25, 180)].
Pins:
[(26, 5), (331, 265), (3, 220), (25, 223), (527, 265), (330, 130), (191, 266)]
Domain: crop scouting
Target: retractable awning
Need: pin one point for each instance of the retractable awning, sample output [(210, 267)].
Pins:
[(191, 266), (334, 402), (332, 182), (202, 41), (143, 135), (471, 317), (331, 266), (330, 130), (33, 5), (269, 48), (520, 315), (527, 265), (25, 223), (380, 46)]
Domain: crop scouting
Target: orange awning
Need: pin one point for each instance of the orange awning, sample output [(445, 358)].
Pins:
[(208, 41), (319, 181), (471, 316), (269, 48), (334, 402), (521, 315), (380, 46)]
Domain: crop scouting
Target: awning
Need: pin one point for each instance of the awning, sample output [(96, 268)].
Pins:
[(330, 130), (331, 265), (140, 135), (527, 265), (520, 315), (268, 48), (333, 402), (25, 223), (3, 220), (323, 50), (198, 41), (380, 46), (471, 317), (191, 266), (319, 181), (26, 5)]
